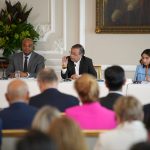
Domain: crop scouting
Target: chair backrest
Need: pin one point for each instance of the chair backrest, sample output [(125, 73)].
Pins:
[(98, 69), (10, 137)]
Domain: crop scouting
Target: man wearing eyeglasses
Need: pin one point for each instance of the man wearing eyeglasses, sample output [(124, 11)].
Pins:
[(27, 63), (76, 64)]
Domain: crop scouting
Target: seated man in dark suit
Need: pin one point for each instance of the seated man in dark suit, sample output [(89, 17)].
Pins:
[(48, 82), (27, 62), (19, 114), (114, 80), (76, 64), (146, 109), (0, 133)]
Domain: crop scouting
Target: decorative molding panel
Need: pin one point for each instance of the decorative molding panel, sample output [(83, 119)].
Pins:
[(46, 29)]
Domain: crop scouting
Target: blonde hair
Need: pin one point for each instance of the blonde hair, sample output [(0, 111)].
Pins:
[(44, 117), (128, 108), (67, 134), (87, 88)]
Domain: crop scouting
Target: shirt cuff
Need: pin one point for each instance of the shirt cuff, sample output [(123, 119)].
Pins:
[(28, 74), (63, 71)]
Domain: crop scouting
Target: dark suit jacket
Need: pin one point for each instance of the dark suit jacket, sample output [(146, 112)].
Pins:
[(109, 100), (36, 63), (54, 98), (86, 66), (0, 132), (146, 109), (18, 116)]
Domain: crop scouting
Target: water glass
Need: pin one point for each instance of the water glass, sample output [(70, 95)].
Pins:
[(17, 74)]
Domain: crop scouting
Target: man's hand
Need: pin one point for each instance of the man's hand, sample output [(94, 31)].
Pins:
[(64, 62), (74, 76), (12, 75), (23, 74)]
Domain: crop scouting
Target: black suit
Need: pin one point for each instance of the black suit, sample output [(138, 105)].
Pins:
[(54, 98), (146, 109), (86, 66), (18, 116), (109, 100)]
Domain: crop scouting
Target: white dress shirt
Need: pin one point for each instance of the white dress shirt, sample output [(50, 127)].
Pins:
[(77, 66), (123, 137)]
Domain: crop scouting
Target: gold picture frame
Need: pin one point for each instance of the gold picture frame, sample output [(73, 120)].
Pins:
[(119, 16)]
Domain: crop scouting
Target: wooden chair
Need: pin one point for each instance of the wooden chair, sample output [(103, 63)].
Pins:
[(98, 69), (10, 137)]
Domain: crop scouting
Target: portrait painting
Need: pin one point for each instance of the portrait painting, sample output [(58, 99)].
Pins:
[(122, 16)]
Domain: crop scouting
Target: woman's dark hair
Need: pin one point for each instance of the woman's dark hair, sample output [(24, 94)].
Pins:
[(147, 52), (36, 140), (115, 77)]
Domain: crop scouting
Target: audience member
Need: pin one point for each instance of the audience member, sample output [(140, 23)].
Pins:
[(36, 140), (67, 134), (48, 82), (130, 129), (146, 109), (19, 114), (90, 115), (141, 146), (44, 117), (0, 133), (114, 80), (77, 63), (27, 62), (143, 70)]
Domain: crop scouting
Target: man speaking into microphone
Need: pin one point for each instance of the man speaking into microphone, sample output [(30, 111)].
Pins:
[(76, 64)]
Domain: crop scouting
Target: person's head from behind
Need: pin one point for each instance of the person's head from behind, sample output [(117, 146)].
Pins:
[(27, 46), (77, 51), (141, 146), (128, 109), (145, 57), (36, 140), (87, 88), (114, 78), (47, 78), (17, 90), (67, 134), (44, 117)]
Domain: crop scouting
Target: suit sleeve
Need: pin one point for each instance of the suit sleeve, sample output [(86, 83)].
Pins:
[(91, 69), (11, 67), (64, 75), (40, 65)]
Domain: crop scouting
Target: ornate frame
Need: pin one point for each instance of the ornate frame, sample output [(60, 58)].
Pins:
[(102, 28)]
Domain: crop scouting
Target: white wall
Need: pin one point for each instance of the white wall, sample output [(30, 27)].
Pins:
[(112, 48)]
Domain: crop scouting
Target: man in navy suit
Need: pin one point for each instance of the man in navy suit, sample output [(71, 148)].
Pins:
[(114, 80), (48, 82), (19, 114), (76, 64)]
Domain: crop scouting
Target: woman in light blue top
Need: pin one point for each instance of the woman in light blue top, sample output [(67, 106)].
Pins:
[(143, 70)]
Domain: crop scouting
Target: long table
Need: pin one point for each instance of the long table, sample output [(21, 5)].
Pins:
[(141, 91)]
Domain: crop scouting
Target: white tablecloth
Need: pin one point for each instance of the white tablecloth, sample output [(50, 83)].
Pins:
[(141, 91)]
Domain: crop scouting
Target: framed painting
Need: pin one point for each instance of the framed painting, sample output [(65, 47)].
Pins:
[(122, 16)]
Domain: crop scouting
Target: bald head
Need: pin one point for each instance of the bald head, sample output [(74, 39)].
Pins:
[(17, 90)]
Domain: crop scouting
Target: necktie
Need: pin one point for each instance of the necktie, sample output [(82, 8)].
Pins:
[(25, 64)]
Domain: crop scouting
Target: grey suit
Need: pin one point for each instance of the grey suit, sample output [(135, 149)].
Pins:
[(36, 62)]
